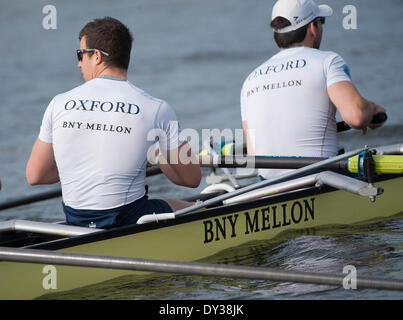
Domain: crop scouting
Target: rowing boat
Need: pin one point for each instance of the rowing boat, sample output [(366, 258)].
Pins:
[(320, 199)]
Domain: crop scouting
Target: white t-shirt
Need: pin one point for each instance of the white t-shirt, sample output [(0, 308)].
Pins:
[(101, 132), (286, 104)]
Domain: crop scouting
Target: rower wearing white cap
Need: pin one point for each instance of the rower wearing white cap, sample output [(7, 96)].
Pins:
[(288, 104)]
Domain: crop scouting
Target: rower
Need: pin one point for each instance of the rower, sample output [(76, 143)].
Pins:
[(289, 103), (96, 138)]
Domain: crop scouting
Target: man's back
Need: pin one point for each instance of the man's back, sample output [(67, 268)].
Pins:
[(286, 105), (96, 138), (100, 141)]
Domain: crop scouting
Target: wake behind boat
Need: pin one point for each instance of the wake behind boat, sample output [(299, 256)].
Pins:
[(233, 218)]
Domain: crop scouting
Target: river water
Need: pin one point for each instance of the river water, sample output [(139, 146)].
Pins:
[(196, 54)]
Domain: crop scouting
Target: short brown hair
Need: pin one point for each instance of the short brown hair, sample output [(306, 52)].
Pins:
[(285, 40), (112, 36)]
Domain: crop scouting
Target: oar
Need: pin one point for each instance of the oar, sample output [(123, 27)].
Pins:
[(201, 204), (191, 268), (390, 164), (54, 194), (30, 199)]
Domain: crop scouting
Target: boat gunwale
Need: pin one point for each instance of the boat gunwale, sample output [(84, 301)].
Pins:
[(194, 216)]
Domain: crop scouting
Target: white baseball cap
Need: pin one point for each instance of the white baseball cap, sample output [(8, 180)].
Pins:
[(299, 13)]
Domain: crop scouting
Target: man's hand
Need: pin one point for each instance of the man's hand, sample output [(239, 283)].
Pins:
[(356, 111)]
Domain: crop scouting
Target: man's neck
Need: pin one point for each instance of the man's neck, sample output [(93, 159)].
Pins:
[(112, 71), (306, 43)]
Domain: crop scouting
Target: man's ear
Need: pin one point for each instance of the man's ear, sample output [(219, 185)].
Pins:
[(312, 30), (99, 58)]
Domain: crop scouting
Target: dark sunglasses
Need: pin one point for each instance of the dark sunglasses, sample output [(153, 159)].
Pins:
[(322, 20), (81, 51)]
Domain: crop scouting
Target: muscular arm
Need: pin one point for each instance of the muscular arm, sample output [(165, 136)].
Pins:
[(356, 111), (181, 166), (41, 167)]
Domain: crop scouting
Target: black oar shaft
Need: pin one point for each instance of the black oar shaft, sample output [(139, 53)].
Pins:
[(27, 200), (262, 162)]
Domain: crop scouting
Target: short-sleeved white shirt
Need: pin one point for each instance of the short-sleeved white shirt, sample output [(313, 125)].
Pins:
[(101, 132), (286, 104)]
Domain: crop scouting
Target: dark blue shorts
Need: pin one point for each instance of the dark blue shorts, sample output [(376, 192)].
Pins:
[(111, 218)]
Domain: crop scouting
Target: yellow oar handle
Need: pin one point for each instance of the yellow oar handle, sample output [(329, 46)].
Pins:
[(226, 150), (383, 164)]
